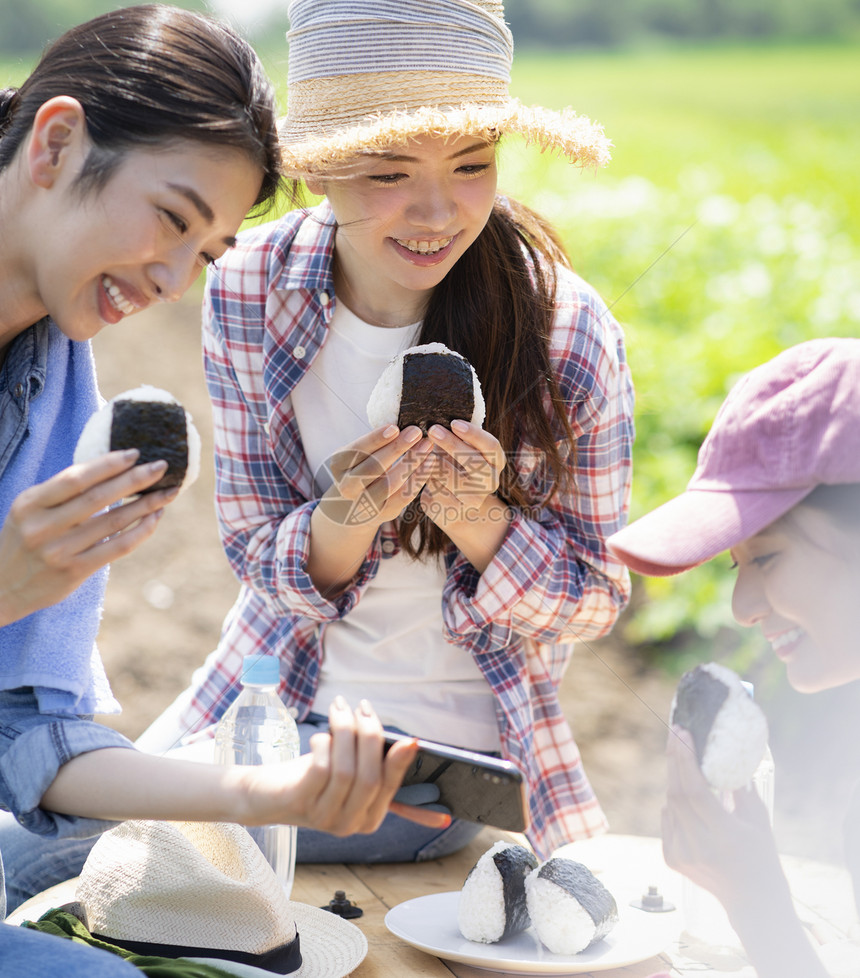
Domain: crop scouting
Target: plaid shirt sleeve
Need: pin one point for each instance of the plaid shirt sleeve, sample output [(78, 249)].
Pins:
[(553, 580), (257, 342)]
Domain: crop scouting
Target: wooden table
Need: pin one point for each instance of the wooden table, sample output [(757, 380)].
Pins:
[(378, 888), (822, 892)]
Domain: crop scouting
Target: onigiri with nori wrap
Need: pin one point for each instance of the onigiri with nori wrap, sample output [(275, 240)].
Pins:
[(570, 909), (493, 900), (728, 727), (426, 385), (152, 421)]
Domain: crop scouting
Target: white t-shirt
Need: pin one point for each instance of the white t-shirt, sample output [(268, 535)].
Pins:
[(390, 648)]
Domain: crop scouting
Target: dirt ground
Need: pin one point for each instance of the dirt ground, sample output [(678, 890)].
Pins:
[(166, 602)]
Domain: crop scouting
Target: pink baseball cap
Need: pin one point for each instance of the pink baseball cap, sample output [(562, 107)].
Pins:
[(786, 427)]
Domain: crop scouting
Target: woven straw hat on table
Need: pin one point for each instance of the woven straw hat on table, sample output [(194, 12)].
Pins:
[(206, 889), (368, 74)]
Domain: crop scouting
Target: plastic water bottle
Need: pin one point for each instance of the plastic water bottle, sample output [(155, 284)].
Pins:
[(258, 729)]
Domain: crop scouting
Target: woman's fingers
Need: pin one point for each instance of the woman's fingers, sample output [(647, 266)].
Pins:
[(105, 527), (380, 466), (363, 461), (348, 782), (93, 485), (359, 781), (128, 537), (70, 501), (476, 457), (75, 480), (82, 526), (461, 475), (59, 532), (336, 755), (428, 817)]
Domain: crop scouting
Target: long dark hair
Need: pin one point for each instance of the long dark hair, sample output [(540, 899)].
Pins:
[(496, 308), (147, 75)]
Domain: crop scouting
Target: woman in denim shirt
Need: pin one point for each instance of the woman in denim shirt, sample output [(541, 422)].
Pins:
[(128, 160)]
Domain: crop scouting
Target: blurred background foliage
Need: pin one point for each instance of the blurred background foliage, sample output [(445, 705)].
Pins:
[(560, 23), (726, 228), (535, 23)]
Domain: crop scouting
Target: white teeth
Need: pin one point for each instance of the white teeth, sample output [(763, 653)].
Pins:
[(786, 638), (117, 297), (424, 247)]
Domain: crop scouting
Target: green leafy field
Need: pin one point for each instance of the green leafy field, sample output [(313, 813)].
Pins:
[(726, 228)]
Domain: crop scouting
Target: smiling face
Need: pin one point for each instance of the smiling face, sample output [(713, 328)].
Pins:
[(799, 581), (404, 218), (144, 237)]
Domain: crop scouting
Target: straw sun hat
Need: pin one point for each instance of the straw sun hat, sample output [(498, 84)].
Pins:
[(367, 74), (202, 890)]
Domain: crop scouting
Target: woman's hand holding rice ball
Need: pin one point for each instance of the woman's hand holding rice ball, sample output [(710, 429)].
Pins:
[(462, 476), (419, 444), (437, 390), (715, 827), (57, 533), (733, 855), (374, 479), (714, 847), (716, 830), (61, 531)]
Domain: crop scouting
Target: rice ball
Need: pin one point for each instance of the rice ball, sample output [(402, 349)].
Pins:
[(152, 421), (728, 727), (570, 909), (492, 902), (426, 385)]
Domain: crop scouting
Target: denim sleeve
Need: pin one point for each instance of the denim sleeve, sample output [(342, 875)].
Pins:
[(33, 747)]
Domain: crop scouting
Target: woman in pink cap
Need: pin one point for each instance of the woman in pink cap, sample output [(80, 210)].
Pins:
[(778, 485)]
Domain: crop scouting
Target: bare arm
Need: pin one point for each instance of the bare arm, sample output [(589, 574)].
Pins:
[(56, 534), (343, 786)]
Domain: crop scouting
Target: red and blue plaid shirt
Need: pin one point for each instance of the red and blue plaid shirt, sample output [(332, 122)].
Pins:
[(552, 583)]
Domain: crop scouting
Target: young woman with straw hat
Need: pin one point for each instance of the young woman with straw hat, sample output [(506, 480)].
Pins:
[(128, 160), (454, 612)]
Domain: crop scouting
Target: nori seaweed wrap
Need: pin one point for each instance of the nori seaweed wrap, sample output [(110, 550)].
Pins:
[(493, 901), (570, 908), (426, 385), (152, 421)]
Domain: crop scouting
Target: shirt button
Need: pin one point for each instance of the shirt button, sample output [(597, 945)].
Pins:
[(299, 352), (388, 546), (325, 298), (19, 390), (266, 427)]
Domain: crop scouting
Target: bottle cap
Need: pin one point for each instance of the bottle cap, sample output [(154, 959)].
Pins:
[(261, 670)]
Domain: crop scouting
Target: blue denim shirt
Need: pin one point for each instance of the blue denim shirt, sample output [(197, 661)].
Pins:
[(33, 746)]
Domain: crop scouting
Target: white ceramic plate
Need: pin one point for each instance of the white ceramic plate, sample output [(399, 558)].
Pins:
[(430, 924)]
